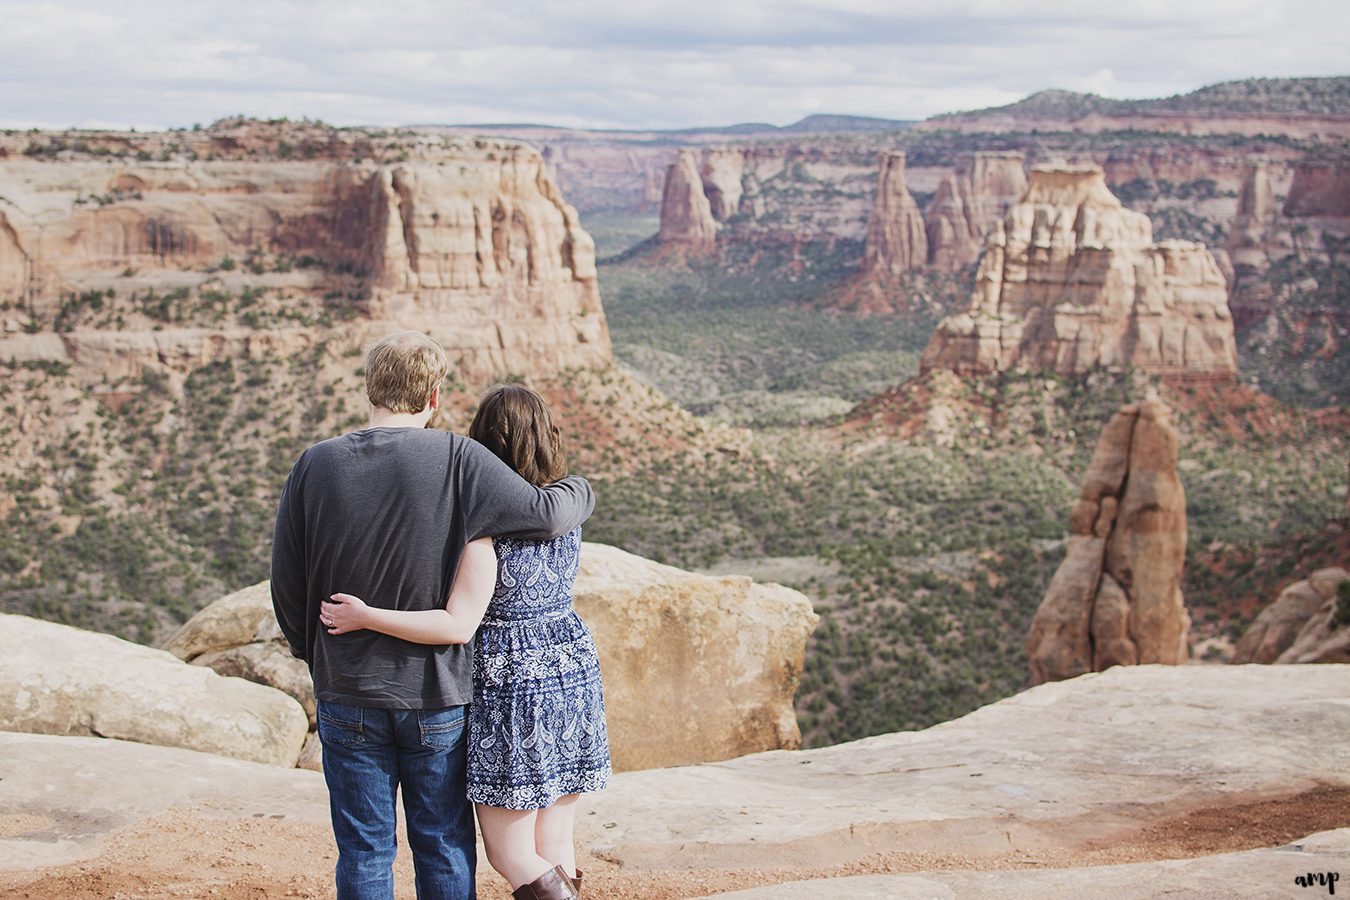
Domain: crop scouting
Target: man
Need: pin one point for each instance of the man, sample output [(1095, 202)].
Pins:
[(384, 513)]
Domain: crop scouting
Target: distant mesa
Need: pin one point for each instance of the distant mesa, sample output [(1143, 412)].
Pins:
[(1071, 281), (468, 239), (1116, 598)]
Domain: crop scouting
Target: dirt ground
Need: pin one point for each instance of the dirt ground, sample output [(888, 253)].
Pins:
[(186, 855)]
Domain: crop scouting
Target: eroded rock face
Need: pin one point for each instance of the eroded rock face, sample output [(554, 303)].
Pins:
[(695, 668), (468, 240), (896, 241), (61, 680), (1071, 281), (1320, 188), (969, 203), (686, 215), (1299, 627), (1116, 598), (722, 173)]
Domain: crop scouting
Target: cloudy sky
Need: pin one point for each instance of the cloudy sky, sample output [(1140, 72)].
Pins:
[(635, 64)]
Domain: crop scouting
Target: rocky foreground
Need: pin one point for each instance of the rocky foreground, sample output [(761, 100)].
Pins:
[(1189, 781)]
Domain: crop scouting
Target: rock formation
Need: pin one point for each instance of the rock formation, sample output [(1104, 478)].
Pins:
[(969, 203), (1071, 282), (722, 172), (965, 809), (1116, 598), (686, 216), (61, 680), (1320, 189), (1301, 625), (469, 240), (1264, 233), (695, 668), (896, 241)]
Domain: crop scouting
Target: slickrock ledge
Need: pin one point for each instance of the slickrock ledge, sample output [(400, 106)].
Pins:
[(1066, 775), (1251, 874), (1091, 758)]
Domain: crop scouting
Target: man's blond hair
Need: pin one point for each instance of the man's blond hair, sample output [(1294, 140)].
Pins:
[(403, 369)]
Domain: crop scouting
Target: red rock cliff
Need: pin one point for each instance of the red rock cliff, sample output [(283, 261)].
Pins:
[(469, 240)]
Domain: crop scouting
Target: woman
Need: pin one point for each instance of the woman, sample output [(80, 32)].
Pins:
[(537, 734)]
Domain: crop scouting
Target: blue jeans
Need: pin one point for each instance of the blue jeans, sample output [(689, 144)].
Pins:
[(368, 754)]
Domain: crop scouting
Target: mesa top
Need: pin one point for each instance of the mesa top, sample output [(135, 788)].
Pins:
[(384, 514)]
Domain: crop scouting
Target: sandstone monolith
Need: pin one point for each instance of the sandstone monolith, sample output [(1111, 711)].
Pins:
[(1116, 598), (686, 216), (896, 242), (1071, 281)]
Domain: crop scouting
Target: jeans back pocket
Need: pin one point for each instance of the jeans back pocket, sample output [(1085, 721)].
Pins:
[(442, 729), (341, 724)]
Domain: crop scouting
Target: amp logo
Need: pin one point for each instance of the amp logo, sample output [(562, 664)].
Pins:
[(1319, 879)]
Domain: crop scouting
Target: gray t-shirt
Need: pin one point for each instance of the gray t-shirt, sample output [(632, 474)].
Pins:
[(384, 514)]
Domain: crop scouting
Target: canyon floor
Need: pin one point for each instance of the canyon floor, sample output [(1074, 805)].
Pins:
[(1189, 781)]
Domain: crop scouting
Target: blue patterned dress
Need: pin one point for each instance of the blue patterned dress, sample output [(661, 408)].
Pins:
[(537, 723)]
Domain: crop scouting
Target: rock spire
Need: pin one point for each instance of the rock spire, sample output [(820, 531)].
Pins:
[(686, 215), (1116, 598)]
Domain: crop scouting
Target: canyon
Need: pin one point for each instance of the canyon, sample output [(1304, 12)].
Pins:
[(912, 339)]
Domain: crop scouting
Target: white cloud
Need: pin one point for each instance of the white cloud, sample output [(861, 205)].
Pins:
[(663, 63)]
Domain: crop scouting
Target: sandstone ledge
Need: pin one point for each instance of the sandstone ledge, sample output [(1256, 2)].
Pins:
[(1087, 758), (1053, 769)]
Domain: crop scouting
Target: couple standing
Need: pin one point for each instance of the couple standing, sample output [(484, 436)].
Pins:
[(374, 531)]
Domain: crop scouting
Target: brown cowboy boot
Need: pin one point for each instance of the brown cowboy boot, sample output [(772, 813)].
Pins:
[(555, 884)]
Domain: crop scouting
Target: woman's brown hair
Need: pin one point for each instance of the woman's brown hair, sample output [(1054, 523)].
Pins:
[(515, 423)]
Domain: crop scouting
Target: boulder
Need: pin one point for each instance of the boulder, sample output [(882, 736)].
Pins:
[(1071, 281), (240, 618), (269, 663), (238, 636), (696, 668), (61, 680), (1116, 598), (1300, 626)]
